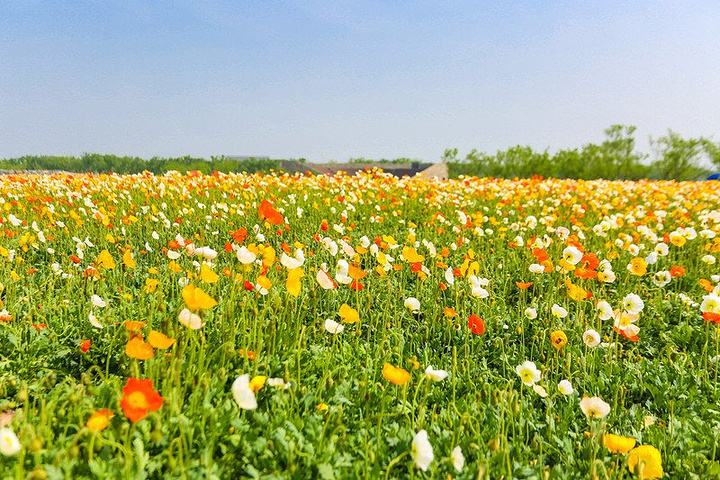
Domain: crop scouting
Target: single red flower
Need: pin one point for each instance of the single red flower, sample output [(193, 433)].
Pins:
[(239, 235), (139, 398), (266, 211), (476, 324), (85, 345), (677, 271)]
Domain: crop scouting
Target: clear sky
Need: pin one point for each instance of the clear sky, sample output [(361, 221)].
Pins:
[(340, 79)]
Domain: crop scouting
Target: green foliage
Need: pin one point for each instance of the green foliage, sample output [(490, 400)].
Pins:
[(96, 162), (680, 157), (615, 158)]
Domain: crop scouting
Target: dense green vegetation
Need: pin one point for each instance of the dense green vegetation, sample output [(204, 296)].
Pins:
[(96, 162), (617, 157)]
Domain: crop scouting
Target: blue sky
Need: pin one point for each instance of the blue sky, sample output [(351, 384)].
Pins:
[(340, 79)]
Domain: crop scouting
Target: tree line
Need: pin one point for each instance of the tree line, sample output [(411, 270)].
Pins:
[(96, 162), (617, 157)]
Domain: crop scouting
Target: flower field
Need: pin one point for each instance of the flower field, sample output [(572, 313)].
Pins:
[(288, 326)]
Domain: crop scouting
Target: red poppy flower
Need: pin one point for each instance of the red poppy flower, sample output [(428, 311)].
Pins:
[(712, 317), (476, 324), (677, 271), (266, 211), (139, 399), (239, 235)]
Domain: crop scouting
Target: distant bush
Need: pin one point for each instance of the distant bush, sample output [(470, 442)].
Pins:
[(615, 158)]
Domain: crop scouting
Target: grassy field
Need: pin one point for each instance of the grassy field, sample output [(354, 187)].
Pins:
[(231, 326)]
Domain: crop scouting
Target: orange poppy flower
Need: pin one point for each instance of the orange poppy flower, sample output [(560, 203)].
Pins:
[(523, 285), (134, 326), (705, 284), (677, 271), (585, 273), (266, 211), (138, 349), (99, 420), (139, 398), (160, 340)]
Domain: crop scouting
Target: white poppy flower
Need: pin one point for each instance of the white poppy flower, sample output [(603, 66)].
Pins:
[(324, 280), (243, 394), (528, 373), (458, 459), (412, 304), (331, 326), (245, 256), (292, 263), (591, 338), (97, 301), (558, 311), (206, 252), (572, 255), (435, 375), (190, 320), (94, 321), (594, 407), (604, 310), (9, 443), (449, 276), (565, 387), (422, 451), (632, 303), (540, 391)]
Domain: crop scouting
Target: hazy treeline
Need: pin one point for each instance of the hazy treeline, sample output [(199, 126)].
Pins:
[(616, 157), (95, 162), (674, 157)]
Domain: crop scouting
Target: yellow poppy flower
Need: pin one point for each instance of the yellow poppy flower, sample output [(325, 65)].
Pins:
[(618, 443), (99, 420), (207, 275), (105, 260), (646, 462), (395, 375), (196, 299), (558, 339), (348, 314), (128, 259), (294, 283), (257, 383)]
